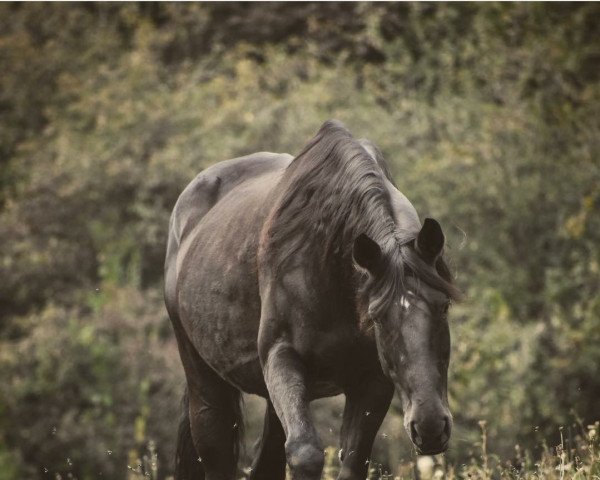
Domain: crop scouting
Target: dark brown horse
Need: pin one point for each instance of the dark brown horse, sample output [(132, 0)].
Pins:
[(301, 278)]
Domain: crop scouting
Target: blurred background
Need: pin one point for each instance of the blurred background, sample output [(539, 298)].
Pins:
[(489, 115)]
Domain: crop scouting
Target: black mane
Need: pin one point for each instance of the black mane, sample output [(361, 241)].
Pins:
[(333, 191)]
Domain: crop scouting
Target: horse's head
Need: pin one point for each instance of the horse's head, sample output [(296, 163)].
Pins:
[(407, 301)]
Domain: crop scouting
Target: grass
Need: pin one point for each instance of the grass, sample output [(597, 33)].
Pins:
[(581, 461)]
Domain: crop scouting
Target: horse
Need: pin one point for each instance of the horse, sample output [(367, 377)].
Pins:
[(301, 278)]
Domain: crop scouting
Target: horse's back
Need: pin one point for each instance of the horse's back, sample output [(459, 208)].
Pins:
[(211, 285), (203, 193), (214, 183)]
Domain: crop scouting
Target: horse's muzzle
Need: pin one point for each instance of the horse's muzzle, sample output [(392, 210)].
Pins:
[(431, 435)]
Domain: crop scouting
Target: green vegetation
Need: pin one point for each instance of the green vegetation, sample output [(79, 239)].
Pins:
[(489, 115)]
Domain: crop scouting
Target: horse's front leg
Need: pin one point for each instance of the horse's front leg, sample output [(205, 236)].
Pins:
[(366, 406), (286, 381)]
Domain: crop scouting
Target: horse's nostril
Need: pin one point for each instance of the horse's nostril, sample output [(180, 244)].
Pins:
[(446, 431), (414, 435)]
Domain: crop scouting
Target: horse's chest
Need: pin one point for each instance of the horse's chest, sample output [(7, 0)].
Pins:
[(338, 357), (322, 389)]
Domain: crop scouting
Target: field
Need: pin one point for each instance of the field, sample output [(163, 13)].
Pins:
[(576, 458)]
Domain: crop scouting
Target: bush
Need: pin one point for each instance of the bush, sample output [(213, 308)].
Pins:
[(87, 386)]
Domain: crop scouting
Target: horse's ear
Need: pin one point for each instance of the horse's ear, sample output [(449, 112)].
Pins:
[(430, 241), (366, 252)]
